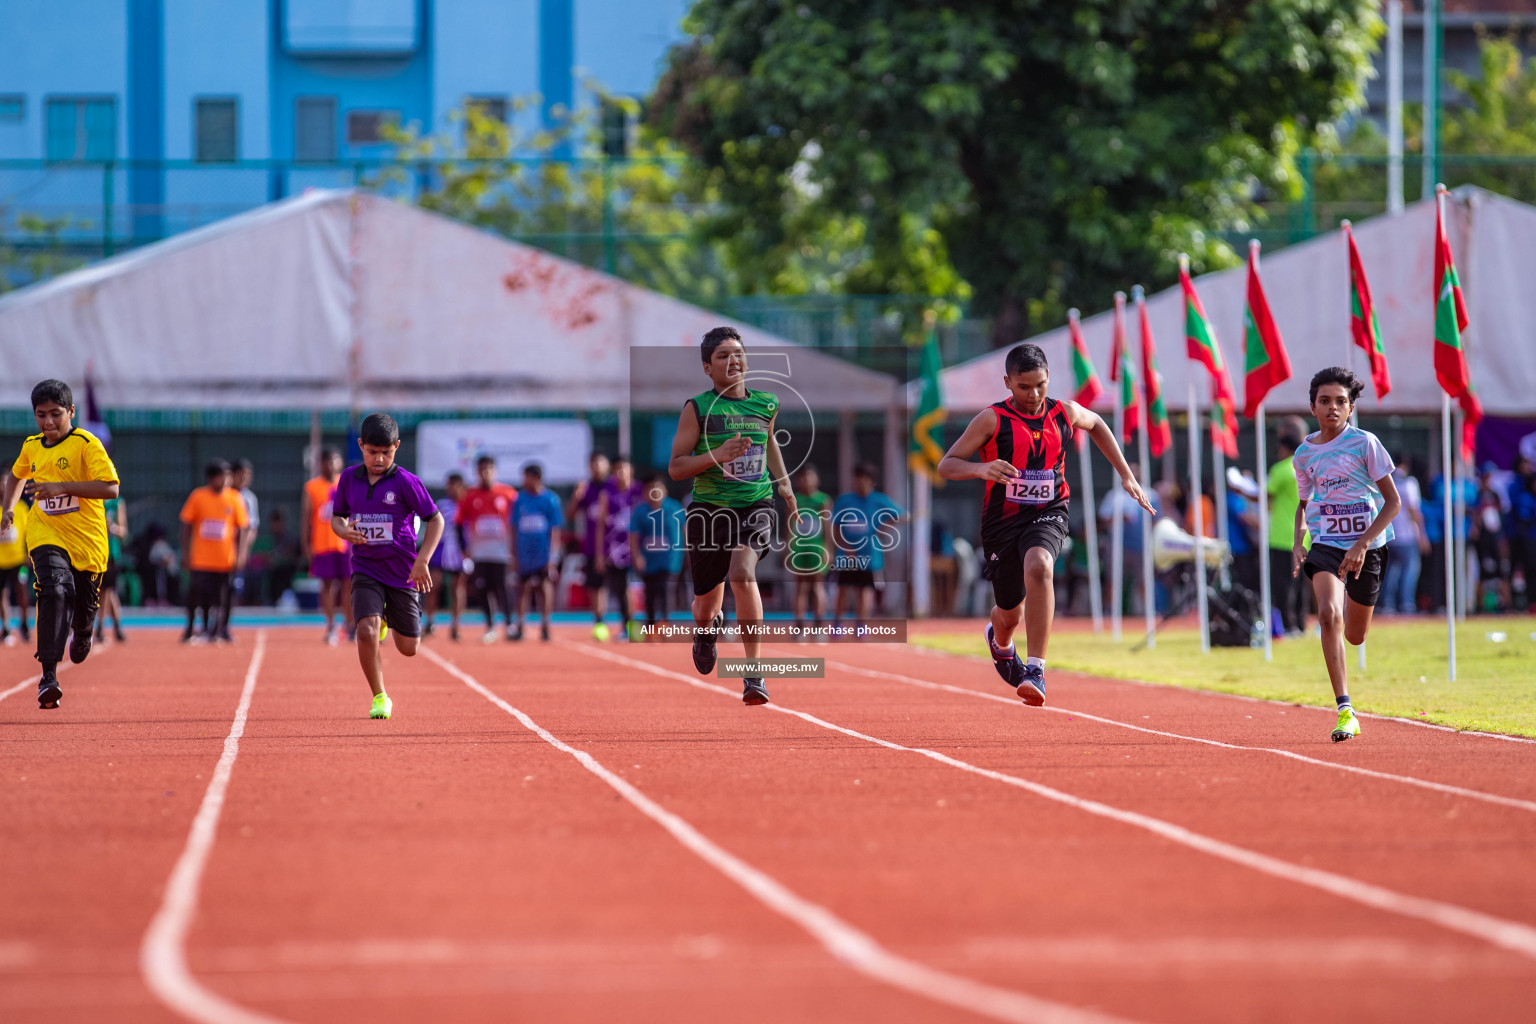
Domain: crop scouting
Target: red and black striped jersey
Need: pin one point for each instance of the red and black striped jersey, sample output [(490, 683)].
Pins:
[(1035, 445)]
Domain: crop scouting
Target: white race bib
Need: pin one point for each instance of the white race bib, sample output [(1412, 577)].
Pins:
[(213, 529), (1341, 524), (1033, 487), (11, 535), (61, 505), (533, 522), (748, 466), (490, 527), (376, 528)]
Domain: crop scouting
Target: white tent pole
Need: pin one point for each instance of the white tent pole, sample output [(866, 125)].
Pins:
[(1450, 558), (1394, 106), (1144, 460), (1196, 504), (1091, 525), (1117, 515), (1263, 545)]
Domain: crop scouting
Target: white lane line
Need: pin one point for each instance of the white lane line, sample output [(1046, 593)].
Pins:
[(163, 953), (932, 653), (845, 942), (1509, 934), (1408, 780)]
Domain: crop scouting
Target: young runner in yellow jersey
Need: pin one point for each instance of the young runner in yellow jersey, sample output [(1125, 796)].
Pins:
[(68, 476)]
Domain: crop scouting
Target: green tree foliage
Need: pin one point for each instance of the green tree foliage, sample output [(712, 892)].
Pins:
[(1051, 151)]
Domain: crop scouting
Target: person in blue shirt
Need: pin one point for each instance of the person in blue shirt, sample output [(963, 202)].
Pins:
[(863, 529), (656, 545), (1432, 581), (536, 521)]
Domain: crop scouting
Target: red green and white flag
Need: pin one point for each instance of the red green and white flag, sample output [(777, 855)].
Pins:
[(1363, 324), (1202, 346), (1265, 362), (1159, 432), (1450, 320), (1123, 372), (1088, 386)]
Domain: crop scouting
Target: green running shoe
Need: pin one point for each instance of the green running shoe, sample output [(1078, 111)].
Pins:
[(600, 633), (383, 707), (1349, 725)]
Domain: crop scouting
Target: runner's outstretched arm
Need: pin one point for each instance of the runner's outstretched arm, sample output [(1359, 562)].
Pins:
[(956, 463), (1091, 422), (685, 465), (1391, 504), (780, 475)]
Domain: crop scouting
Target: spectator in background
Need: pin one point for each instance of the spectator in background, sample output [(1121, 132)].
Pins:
[(656, 545), (116, 511), (536, 514), (863, 522), (1522, 532), (1486, 534), (329, 557), (13, 555), (240, 478), (1207, 511), (447, 561), (485, 516), (1287, 595), (810, 553), (620, 496), (1243, 527), (275, 557), (1408, 546), (1434, 529), (1133, 539), (213, 525), (583, 506)]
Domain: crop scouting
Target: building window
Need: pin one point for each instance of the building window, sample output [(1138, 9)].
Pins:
[(83, 128), (366, 127), (492, 107), (217, 128), (314, 125), (13, 106)]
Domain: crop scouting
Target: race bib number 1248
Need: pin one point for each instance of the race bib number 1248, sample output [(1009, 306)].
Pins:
[(1033, 487)]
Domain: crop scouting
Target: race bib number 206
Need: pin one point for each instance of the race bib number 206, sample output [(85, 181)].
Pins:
[(1033, 487), (1343, 522)]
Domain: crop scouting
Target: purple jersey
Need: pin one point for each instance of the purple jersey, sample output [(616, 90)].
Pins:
[(621, 505), (385, 513)]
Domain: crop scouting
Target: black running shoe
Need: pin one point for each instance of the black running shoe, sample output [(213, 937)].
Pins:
[(48, 693), (704, 645), (753, 691), (543, 632), (1006, 661), (80, 647), (1032, 689)]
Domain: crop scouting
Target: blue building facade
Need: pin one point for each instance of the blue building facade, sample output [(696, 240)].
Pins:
[(175, 88)]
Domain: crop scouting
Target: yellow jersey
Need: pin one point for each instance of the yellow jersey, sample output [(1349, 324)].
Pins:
[(13, 549), (78, 525)]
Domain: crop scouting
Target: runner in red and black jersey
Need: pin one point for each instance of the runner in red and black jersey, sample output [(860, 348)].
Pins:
[(1023, 442)]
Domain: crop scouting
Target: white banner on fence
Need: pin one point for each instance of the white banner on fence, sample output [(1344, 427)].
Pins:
[(561, 447)]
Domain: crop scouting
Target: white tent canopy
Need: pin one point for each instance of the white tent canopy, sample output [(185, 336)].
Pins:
[(341, 298), (1493, 238)]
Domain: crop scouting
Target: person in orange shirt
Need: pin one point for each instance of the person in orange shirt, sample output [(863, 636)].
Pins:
[(329, 557), (1207, 512), (213, 525)]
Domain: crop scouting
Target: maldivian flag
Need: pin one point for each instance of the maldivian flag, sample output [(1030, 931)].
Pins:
[(1122, 372), (1450, 320), (923, 448), (1200, 342), (1265, 363), (1362, 319), (1088, 387), (1159, 433)]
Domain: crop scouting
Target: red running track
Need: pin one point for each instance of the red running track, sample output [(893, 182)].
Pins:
[(896, 851)]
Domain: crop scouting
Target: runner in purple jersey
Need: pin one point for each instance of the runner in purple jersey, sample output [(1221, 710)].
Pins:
[(375, 508), (620, 495)]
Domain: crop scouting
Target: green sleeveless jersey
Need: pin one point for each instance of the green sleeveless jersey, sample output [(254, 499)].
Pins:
[(744, 480)]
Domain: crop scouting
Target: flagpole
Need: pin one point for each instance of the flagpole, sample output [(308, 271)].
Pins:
[(1450, 555), (1219, 482), (1349, 354), (1144, 464), (1117, 515), (1196, 504), (1263, 546), (1464, 579), (1091, 524)]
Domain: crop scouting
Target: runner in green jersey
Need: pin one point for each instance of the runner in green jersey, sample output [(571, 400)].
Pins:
[(725, 443)]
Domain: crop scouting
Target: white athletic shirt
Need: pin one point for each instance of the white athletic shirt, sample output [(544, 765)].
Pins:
[(1337, 481)]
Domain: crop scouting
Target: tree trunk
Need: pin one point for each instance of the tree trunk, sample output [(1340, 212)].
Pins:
[(1011, 324)]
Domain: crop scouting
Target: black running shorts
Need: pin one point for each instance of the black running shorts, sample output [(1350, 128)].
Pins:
[(1364, 587), (712, 532), (1003, 549), (400, 608)]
